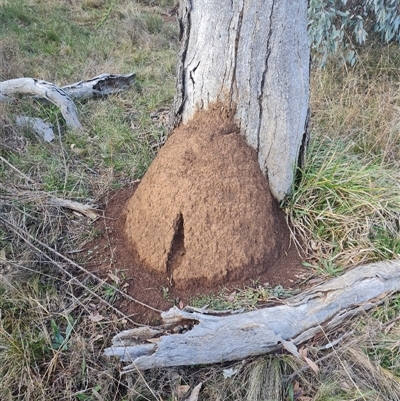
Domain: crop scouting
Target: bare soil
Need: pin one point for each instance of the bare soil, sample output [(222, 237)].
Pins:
[(201, 219), (111, 252)]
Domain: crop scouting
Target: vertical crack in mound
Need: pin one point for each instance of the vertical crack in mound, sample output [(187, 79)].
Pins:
[(177, 251)]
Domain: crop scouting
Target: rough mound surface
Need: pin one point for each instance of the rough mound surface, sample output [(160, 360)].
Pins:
[(203, 213)]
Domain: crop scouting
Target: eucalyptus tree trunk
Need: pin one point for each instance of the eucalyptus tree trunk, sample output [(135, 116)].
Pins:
[(253, 56)]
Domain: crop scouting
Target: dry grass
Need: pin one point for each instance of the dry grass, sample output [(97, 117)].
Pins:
[(346, 207), (50, 346), (361, 104), (347, 204), (55, 317)]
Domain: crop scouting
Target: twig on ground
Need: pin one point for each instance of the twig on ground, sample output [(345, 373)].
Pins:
[(333, 343), (16, 170), (29, 239), (85, 209)]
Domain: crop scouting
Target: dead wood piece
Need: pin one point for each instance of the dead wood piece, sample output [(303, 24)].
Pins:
[(46, 90), (88, 210), (100, 86), (136, 336), (85, 209), (41, 128), (217, 339)]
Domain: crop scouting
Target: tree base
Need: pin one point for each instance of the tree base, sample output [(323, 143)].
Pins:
[(203, 213)]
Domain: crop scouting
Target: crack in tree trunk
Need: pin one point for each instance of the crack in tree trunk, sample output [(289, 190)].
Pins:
[(234, 87), (261, 95), (175, 117)]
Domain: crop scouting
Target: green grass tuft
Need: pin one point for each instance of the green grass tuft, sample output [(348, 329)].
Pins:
[(346, 207)]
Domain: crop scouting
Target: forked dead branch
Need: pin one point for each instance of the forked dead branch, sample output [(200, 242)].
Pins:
[(99, 86), (212, 339)]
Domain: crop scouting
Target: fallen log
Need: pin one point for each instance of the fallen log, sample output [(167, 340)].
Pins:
[(45, 90), (208, 339), (99, 86)]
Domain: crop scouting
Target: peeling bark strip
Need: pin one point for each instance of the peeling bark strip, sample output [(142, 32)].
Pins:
[(213, 339), (253, 55)]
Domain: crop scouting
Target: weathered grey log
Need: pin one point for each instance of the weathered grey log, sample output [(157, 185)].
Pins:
[(252, 56), (213, 339), (100, 86), (46, 90), (41, 128)]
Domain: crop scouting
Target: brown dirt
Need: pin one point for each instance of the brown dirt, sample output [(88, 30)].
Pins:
[(110, 252), (203, 213), (201, 219)]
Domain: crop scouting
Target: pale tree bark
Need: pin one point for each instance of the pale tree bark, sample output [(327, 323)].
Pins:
[(254, 56)]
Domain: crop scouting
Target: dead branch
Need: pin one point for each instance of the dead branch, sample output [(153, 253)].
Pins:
[(46, 90), (85, 209), (212, 339), (99, 86)]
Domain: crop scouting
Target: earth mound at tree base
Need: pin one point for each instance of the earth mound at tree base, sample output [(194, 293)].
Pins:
[(203, 213)]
